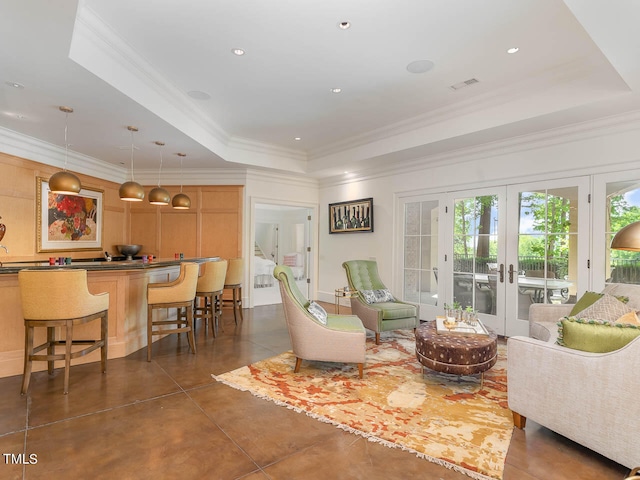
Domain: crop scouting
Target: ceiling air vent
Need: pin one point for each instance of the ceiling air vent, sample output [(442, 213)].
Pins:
[(466, 83)]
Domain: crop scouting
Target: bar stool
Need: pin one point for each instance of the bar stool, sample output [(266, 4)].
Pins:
[(210, 287), (176, 294), (60, 298), (233, 282)]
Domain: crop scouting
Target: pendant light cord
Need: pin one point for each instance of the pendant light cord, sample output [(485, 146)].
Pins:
[(66, 143), (160, 169), (132, 178), (181, 175)]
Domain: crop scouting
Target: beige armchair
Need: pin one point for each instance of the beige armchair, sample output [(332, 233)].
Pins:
[(176, 294), (378, 317), (342, 339), (60, 299)]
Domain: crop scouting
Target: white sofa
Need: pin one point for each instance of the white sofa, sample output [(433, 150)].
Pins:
[(590, 398)]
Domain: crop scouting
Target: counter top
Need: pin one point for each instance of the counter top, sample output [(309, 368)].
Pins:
[(89, 265)]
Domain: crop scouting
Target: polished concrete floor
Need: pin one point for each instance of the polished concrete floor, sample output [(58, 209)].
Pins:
[(169, 419)]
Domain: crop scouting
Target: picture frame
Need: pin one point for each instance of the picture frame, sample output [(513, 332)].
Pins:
[(68, 222), (351, 217)]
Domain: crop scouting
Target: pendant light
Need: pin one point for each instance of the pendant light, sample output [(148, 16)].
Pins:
[(65, 183), (131, 191), (158, 195), (181, 201)]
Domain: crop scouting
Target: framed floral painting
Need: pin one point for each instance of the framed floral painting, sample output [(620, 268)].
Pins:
[(68, 222)]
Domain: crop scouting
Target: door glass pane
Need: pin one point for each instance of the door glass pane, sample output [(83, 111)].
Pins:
[(623, 208), (421, 252), (475, 245), (547, 247)]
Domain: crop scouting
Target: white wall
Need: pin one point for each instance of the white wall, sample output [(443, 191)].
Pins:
[(597, 147), (279, 189)]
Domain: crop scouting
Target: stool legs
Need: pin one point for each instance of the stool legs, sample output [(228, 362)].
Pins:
[(183, 323), (237, 303), (68, 343), (28, 351)]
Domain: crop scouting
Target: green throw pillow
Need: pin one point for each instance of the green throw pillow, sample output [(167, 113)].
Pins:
[(588, 299), (594, 336)]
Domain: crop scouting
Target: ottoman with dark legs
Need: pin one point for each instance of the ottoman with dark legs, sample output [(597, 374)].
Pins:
[(453, 353)]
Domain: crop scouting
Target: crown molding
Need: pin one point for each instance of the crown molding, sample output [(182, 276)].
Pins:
[(255, 146), (282, 178), (91, 30), (563, 74), (30, 148), (99, 49), (611, 125), (202, 176)]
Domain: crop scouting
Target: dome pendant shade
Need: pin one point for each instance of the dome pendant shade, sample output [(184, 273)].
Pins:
[(64, 183), (181, 202), (159, 196), (627, 238), (131, 192)]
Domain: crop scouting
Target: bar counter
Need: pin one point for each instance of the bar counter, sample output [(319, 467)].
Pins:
[(125, 281)]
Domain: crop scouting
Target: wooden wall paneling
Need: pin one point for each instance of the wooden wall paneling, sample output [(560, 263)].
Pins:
[(144, 231), (220, 234), (178, 233)]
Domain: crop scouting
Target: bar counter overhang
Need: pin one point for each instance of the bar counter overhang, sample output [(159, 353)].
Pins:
[(125, 281)]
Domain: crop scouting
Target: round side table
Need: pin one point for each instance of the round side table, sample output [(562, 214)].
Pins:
[(342, 293)]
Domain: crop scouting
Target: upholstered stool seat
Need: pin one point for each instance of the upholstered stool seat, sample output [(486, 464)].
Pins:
[(176, 294), (209, 288), (60, 299), (233, 282)]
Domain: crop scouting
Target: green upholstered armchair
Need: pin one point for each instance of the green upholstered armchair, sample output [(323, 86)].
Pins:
[(342, 339), (379, 317)]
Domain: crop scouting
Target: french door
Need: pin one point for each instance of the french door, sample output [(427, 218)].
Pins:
[(475, 257), (496, 250)]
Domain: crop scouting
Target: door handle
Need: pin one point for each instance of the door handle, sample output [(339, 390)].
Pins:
[(501, 273), (511, 270)]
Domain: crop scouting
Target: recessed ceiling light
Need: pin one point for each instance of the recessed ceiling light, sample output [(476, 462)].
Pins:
[(513, 50), (238, 51), (344, 25), (15, 84), (297, 139), (198, 95), (335, 90), (420, 66)]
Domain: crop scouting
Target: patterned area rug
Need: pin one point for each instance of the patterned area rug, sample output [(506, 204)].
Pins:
[(443, 418)]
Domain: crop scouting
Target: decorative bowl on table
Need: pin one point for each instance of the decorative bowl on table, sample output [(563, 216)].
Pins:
[(129, 250)]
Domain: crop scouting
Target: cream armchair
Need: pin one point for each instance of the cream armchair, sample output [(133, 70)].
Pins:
[(342, 339), (378, 317), (590, 398)]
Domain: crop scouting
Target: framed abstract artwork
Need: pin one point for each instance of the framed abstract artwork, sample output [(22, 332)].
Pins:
[(68, 222), (350, 217)]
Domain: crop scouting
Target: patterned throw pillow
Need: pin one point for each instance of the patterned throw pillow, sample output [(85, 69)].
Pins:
[(589, 298), (377, 296), (608, 308), (318, 312)]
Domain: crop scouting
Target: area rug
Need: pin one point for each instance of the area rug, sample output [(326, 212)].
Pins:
[(442, 418)]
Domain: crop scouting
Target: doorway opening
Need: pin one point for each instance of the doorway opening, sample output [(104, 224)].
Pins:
[(282, 237)]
